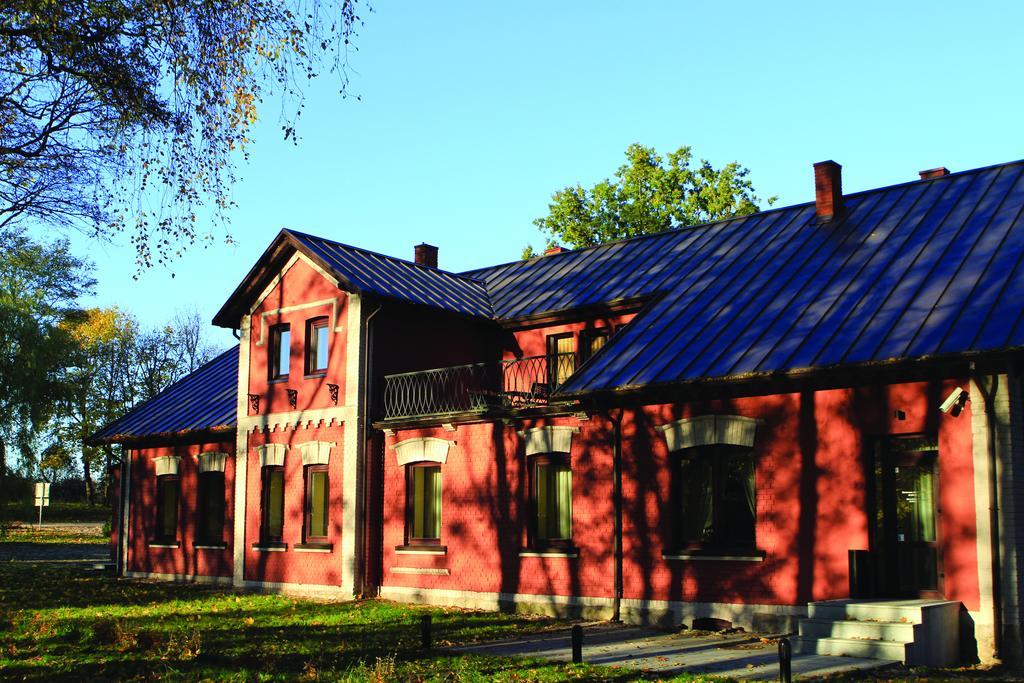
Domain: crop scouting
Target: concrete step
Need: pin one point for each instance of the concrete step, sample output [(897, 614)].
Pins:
[(894, 611), (855, 647), (873, 630)]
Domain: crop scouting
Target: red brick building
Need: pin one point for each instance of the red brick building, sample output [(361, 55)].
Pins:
[(727, 421)]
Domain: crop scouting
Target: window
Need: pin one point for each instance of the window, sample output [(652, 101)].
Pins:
[(280, 351), (167, 508), (317, 502), (423, 504), (561, 358), (591, 342), (716, 497), (272, 528), (551, 493), (316, 345), (211, 508)]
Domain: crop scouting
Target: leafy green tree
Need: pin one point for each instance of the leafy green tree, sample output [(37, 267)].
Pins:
[(39, 286), (649, 194), (130, 114)]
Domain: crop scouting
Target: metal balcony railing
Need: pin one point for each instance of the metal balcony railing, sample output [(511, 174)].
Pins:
[(478, 387)]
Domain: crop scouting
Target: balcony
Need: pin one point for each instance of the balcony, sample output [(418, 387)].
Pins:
[(476, 388)]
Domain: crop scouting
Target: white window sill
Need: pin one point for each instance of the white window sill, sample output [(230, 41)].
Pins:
[(164, 545), (548, 553), (425, 551), (426, 571), (221, 546), (713, 558), (310, 550), (270, 548)]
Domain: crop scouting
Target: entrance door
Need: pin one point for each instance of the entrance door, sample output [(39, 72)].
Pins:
[(906, 506)]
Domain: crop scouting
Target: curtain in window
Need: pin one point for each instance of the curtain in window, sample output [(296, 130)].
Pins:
[(426, 502), (275, 503), (211, 506), (167, 507), (318, 504), (925, 492), (563, 479)]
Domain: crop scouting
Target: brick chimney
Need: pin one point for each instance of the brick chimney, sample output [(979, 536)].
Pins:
[(934, 173), (554, 249), (828, 190), (426, 255)]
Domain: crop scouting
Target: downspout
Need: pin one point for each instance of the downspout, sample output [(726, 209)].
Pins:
[(988, 395), (617, 513), (362, 419)]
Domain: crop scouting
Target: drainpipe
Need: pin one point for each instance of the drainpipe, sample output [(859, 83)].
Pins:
[(988, 395), (617, 512), (362, 420)]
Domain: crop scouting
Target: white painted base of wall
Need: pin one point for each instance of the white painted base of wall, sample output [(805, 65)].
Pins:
[(758, 617), (297, 589), (181, 578)]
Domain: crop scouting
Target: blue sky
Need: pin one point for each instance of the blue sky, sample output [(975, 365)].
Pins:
[(473, 113)]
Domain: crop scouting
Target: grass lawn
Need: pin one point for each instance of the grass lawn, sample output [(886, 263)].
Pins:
[(56, 511), (29, 534), (59, 623)]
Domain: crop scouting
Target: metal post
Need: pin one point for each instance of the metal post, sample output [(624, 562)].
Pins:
[(785, 660), (425, 631), (577, 644), (40, 527)]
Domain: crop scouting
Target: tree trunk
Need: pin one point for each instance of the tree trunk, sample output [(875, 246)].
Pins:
[(108, 454), (3, 485), (90, 488)]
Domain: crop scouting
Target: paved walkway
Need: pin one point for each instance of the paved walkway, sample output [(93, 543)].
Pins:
[(738, 655)]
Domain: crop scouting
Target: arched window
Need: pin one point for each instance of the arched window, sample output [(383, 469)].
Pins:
[(714, 496), (167, 495), (210, 499)]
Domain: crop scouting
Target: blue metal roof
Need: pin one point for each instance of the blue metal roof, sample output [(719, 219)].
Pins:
[(367, 271), (922, 269), (929, 268), (204, 400)]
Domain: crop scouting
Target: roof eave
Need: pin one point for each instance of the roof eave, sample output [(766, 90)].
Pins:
[(162, 438)]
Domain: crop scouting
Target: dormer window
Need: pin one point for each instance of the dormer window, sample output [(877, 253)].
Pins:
[(280, 351), (317, 346)]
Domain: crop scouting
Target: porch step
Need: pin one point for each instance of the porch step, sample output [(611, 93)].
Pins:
[(916, 632), (856, 647), (896, 632)]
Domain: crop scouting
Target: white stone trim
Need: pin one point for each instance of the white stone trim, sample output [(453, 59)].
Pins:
[(272, 454), (435, 552), (300, 589), (312, 550), (212, 462), (316, 452), (269, 549), (742, 614), (333, 303), (714, 558), (126, 492), (549, 553), (277, 279), (222, 546), (166, 464), (551, 439), (709, 430), (181, 578), (164, 545), (241, 455), (422, 449), (351, 469), (425, 571), (293, 419)]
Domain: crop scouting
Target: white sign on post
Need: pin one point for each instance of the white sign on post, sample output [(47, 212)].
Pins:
[(42, 498), (42, 493)]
